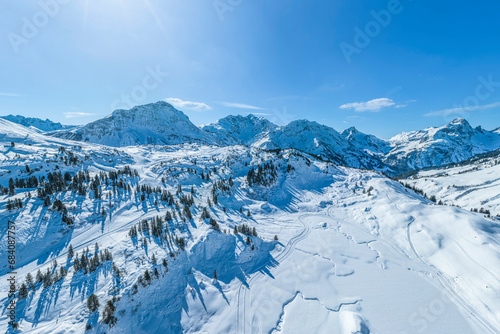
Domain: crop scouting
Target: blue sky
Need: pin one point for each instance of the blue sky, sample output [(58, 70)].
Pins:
[(382, 66)]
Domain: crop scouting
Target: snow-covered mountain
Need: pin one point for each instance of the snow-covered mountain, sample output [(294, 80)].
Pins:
[(161, 124), (151, 124), (366, 142), (436, 146), (36, 123), (321, 141), (432, 147), (235, 130)]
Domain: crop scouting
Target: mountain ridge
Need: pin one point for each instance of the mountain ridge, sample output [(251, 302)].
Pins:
[(37, 124), (161, 124), (150, 124)]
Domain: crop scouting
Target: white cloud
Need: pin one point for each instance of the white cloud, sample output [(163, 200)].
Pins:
[(261, 114), (240, 105), (462, 110), (10, 94), (405, 104), (189, 105), (76, 114), (372, 105)]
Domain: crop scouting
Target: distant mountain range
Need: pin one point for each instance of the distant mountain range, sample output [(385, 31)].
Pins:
[(161, 124), (37, 124)]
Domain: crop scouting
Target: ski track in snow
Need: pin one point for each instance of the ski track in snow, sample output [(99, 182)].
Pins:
[(290, 247), (444, 281)]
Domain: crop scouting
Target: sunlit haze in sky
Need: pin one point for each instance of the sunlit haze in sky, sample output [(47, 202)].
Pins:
[(382, 66)]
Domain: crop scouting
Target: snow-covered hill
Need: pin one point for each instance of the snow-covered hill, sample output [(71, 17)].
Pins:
[(471, 184), (454, 142), (151, 124), (235, 130), (297, 245), (321, 141), (36, 123)]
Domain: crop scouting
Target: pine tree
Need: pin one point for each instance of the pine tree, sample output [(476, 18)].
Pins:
[(215, 275), (153, 259), (46, 201), (29, 280), (47, 279), (62, 272), (93, 303), (39, 276), (12, 186), (168, 216), (147, 276), (108, 315), (23, 292), (205, 214), (70, 252)]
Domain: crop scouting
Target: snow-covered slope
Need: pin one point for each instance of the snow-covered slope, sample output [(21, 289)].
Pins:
[(321, 141), (36, 123), (342, 260), (151, 124), (454, 142), (235, 130), (21, 147), (471, 185), (352, 248)]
